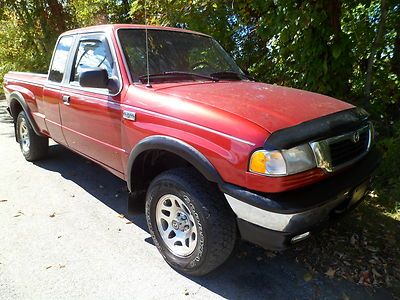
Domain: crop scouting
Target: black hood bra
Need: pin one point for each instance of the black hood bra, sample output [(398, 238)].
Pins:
[(317, 129)]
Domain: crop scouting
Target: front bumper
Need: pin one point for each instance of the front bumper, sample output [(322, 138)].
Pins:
[(277, 220)]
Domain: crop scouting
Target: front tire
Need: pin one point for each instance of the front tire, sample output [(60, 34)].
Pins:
[(33, 147), (189, 221)]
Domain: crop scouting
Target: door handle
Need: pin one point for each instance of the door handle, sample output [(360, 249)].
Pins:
[(66, 99)]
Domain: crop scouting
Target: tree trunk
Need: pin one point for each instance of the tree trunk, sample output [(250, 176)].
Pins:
[(334, 11), (374, 48)]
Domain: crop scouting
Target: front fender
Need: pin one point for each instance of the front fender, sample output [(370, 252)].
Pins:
[(176, 146)]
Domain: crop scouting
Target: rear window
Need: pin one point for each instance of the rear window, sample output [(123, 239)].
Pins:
[(59, 64)]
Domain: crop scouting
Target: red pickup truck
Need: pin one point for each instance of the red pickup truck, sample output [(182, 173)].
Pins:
[(216, 156)]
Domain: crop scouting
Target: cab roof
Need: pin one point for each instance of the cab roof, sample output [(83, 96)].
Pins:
[(115, 27)]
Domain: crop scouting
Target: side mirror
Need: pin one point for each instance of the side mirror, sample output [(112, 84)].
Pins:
[(98, 78)]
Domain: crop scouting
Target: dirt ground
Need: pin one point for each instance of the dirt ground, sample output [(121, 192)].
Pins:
[(66, 234)]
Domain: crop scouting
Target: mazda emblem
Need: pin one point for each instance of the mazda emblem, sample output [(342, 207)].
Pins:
[(356, 137)]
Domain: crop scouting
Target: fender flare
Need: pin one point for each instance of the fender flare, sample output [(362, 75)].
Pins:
[(178, 147), (18, 97)]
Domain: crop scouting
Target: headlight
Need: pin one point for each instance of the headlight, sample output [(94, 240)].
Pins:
[(284, 162)]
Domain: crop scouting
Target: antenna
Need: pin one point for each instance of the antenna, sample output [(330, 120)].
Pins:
[(147, 46)]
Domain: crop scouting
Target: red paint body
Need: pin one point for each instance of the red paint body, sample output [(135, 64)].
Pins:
[(226, 120)]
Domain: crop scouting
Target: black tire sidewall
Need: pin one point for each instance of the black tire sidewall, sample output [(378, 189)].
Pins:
[(160, 188)]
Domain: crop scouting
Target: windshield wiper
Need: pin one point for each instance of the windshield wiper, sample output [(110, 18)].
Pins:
[(231, 75), (177, 74)]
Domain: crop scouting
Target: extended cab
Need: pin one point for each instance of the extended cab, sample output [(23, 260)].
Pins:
[(215, 155)]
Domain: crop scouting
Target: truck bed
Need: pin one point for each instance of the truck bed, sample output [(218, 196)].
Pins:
[(36, 78), (34, 82)]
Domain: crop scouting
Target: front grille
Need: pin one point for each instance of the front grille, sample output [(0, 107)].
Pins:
[(340, 151), (348, 149)]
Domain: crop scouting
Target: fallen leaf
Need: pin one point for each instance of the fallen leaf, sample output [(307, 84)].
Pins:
[(344, 296), (372, 249), (129, 222), (61, 266), (330, 273), (372, 261), (121, 216), (365, 278), (48, 267), (340, 255), (307, 277), (375, 272), (59, 236), (3, 200), (387, 281), (52, 215), (19, 213), (270, 254)]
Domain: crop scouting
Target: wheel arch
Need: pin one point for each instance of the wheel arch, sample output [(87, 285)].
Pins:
[(17, 104), (175, 147)]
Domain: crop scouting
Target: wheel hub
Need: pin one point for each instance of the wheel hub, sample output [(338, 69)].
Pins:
[(24, 136), (176, 225), (181, 222)]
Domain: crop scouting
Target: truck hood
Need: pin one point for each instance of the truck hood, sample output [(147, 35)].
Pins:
[(270, 106)]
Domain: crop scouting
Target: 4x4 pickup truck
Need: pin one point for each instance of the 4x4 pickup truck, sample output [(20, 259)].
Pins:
[(215, 155)]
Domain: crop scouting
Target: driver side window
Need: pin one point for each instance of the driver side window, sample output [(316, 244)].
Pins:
[(92, 54)]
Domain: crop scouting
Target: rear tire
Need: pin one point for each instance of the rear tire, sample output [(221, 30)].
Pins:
[(33, 147), (189, 221)]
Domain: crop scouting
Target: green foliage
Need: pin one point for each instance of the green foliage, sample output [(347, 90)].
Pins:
[(28, 31), (388, 183), (17, 52), (94, 12)]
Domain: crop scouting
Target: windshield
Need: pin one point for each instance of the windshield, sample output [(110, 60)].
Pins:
[(176, 53)]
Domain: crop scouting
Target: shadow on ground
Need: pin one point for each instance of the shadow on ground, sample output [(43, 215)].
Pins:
[(249, 273)]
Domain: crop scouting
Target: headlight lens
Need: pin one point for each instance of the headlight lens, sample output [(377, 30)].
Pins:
[(285, 162)]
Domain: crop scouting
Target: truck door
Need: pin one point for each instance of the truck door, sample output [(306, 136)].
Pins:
[(52, 88), (91, 117)]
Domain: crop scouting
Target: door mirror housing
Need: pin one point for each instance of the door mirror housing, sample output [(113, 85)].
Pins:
[(98, 78)]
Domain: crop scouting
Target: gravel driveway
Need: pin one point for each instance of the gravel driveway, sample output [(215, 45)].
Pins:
[(65, 234)]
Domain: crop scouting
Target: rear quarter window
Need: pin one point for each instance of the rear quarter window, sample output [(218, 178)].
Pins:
[(60, 59)]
